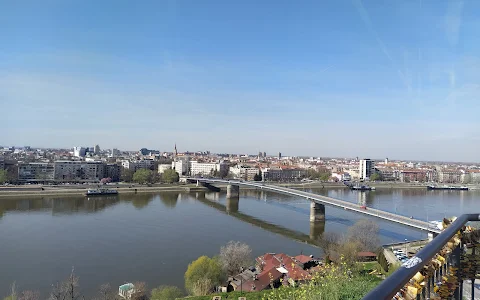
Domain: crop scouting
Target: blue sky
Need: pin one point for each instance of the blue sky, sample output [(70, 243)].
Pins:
[(397, 79)]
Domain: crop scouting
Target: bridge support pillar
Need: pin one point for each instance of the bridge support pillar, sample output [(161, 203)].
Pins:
[(431, 236), (232, 205), (317, 228), (317, 212), (198, 183), (233, 191)]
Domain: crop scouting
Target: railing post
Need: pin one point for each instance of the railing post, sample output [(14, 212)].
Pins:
[(473, 279), (455, 263)]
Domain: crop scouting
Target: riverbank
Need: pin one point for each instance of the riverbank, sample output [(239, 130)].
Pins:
[(74, 190), (125, 188)]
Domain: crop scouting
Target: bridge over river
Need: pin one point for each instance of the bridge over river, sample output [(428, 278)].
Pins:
[(318, 202)]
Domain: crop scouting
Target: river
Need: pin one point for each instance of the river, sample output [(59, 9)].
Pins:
[(153, 237)]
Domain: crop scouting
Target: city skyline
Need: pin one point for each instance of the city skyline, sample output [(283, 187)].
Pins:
[(341, 79)]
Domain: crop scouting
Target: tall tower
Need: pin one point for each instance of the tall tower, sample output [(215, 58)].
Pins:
[(175, 152)]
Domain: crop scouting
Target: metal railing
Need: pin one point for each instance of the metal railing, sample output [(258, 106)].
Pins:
[(394, 285)]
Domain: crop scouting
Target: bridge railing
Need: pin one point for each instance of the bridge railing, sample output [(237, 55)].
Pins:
[(439, 269)]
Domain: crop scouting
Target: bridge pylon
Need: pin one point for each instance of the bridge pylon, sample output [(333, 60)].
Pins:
[(233, 191), (317, 212)]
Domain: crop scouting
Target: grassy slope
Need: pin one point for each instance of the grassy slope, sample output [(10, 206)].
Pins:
[(354, 289)]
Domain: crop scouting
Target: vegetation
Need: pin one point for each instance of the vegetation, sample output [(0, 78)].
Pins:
[(258, 177), (170, 176), (234, 256), (375, 177), (105, 180), (323, 175), (126, 175), (365, 232), (142, 176), (166, 293), (334, 282), (3, 176), (233, 295), (203, 275)]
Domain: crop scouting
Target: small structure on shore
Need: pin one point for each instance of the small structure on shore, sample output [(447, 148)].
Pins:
[(126, 290)]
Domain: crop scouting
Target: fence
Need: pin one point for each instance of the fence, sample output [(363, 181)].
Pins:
[(439, 269)]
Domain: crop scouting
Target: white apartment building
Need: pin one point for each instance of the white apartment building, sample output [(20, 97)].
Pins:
[(197, 168), (366, 168), (163, 168), (79, 151), (244, 172), (181, 166), (67, 170), (137, 164)]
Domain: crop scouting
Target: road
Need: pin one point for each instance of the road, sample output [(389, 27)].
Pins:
[(418, 224)]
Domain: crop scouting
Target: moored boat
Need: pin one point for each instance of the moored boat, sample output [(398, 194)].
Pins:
[(447, 187), (100, 192)]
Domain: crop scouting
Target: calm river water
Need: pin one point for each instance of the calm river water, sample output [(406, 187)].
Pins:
[(153, 237)]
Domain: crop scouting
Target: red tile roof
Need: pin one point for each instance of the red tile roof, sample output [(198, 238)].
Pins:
[(366, 254), (303, 258), (262, 281), (295, 271)]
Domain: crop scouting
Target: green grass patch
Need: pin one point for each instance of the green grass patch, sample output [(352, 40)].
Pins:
[(352, 289)]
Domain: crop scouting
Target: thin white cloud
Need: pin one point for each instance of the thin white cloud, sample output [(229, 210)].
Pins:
[(453, 21), (368, 23)]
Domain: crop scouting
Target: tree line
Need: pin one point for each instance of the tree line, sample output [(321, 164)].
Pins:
[(144, 176)]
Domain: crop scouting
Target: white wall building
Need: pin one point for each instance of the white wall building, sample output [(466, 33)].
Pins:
[(163, 168), (366, 168), (197, 168), (244, 172), (137, 164), (79, 151), (181, 166)]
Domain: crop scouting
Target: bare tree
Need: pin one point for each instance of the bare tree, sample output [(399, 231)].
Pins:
[(329, 242), (29, 295), (106, 293), (67, 290), (140, 291), (234, 256), (57, 292), (366, 233)]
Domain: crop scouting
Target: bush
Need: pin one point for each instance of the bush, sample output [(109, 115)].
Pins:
[(203, 275), (166, 293)]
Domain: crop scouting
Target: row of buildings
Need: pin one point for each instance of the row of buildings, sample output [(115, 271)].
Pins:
[(68, 171)]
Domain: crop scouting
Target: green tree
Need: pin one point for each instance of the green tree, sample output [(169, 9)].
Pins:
[(375, 177), (165, 292), (142, 176), (126, 175), (325, 176), (170, 176), (203, 275), (3, 176), (258, 177)]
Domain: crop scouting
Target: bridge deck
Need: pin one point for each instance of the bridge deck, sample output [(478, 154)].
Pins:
[(419, 224)]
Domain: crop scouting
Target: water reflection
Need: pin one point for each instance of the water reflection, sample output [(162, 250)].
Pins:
[(170, 199), (231, 208), (59, 205), (232, 205), (317, 228)]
